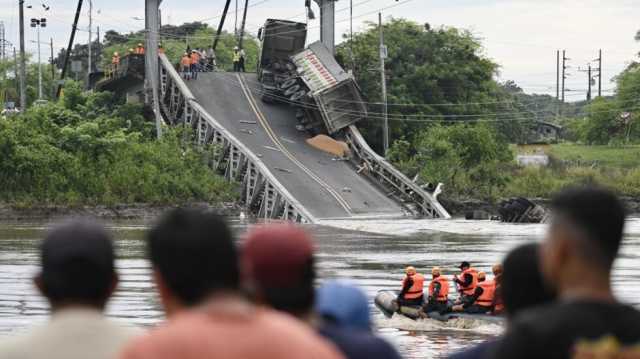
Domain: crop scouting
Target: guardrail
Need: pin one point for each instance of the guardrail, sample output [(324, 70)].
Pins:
[(262, 193), (377, 167)]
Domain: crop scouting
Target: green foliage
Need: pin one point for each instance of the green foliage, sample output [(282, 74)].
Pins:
[(89, 149), (469, 159)]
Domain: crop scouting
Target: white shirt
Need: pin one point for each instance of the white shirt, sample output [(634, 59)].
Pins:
[(70, 334)]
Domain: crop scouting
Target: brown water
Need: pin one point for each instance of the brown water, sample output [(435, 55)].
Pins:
[(372, 261)]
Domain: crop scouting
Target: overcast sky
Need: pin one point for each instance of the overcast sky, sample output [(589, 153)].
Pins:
[(520, 35)]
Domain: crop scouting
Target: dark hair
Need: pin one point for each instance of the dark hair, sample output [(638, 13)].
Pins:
[(521, 283), (194, 252), (600, 215), (77, 260), (296, 299)]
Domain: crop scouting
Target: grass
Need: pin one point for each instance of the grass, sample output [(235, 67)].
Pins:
[(606, 156)]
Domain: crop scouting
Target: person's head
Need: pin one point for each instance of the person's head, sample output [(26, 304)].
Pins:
[(496, 269), (139, 44), (77, 265), (464, 266), (115, 53), (435, 272), (343, 305), (193, 257), (522, 284), (410, 271), (278, 268), (235, 48), (482, 276), (583, 239), (130, 50)]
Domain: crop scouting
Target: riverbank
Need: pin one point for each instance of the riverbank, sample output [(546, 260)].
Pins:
[(137, 211), (457, 207)]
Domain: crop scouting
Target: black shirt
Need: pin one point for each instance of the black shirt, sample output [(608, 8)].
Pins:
[(553, 331)]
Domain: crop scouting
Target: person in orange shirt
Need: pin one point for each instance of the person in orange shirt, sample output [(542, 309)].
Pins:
[(196, 271), (185, 63), (195, 64)]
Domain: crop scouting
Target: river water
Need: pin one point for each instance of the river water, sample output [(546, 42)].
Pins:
[(371, 254)]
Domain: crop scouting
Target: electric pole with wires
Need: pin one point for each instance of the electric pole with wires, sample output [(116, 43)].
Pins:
[(383, 84)]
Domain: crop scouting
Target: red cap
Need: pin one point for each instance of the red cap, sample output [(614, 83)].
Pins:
[(274, 255)]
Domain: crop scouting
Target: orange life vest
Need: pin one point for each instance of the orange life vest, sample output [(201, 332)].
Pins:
[(443, 295), (488, 293), (416, 289), (468, 290), (186, 61), (140, 50), (195, 58)]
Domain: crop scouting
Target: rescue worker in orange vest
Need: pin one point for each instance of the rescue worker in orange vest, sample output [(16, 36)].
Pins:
[(498, 305), (467, 281), (140, 49), (481, 302), (195, 64), (412, 287), (438, 300), (185, 63)]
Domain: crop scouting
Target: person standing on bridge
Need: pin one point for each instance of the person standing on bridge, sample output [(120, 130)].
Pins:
[(185, 62), (243, 57), (139, 49), (236, 59), (195, 64), (115, 63)]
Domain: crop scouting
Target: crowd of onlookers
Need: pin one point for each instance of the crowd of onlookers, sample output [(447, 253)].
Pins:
[(259, 300)]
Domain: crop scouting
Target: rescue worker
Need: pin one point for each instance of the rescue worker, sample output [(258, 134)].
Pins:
[(115, 62), (467, 281), (131, 51), (412, 287), (236, 59), (185, 62), (195, 64), (243, 56), (481, 302), (498, 305), (160, 48), (139, 49), (438, 293)]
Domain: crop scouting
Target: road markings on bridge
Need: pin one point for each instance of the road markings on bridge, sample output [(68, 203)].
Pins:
[(265, 124)]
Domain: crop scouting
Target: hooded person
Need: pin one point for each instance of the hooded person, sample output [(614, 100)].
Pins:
[(278, 270)]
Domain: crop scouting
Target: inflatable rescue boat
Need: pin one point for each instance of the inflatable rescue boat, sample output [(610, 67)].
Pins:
[(385, 301)]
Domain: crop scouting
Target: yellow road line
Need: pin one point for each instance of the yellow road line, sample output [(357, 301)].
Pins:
[(285, 151)]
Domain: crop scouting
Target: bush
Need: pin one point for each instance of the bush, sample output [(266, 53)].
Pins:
[(88, 149)]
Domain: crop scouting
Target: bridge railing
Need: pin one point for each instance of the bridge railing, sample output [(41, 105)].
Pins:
[(262, 193), (411, 193)]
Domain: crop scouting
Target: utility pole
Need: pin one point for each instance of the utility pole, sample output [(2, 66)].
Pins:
[(152, 24), (53, 67), (600, 73), (557, 74), (23, 65), (89, 48), (590, 78), (2, 41), (38, 24), (564, 72), (70, 46), (221, 24), (244, 22), (235, 31), (383, 55)]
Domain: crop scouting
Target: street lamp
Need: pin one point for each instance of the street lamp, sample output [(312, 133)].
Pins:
[(38, 23)]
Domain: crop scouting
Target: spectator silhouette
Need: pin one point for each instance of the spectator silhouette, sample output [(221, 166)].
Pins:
[(77, 276), (195, 268), (278, 271)]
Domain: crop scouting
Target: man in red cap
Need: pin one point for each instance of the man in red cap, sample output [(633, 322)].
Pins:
[(278, 271)]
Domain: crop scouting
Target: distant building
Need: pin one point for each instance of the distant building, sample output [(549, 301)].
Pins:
[(544, 132)]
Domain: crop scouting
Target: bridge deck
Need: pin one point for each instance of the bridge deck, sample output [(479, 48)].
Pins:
[(327, 188)]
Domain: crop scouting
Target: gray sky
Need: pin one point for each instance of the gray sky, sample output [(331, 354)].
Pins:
[(520, 35)]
